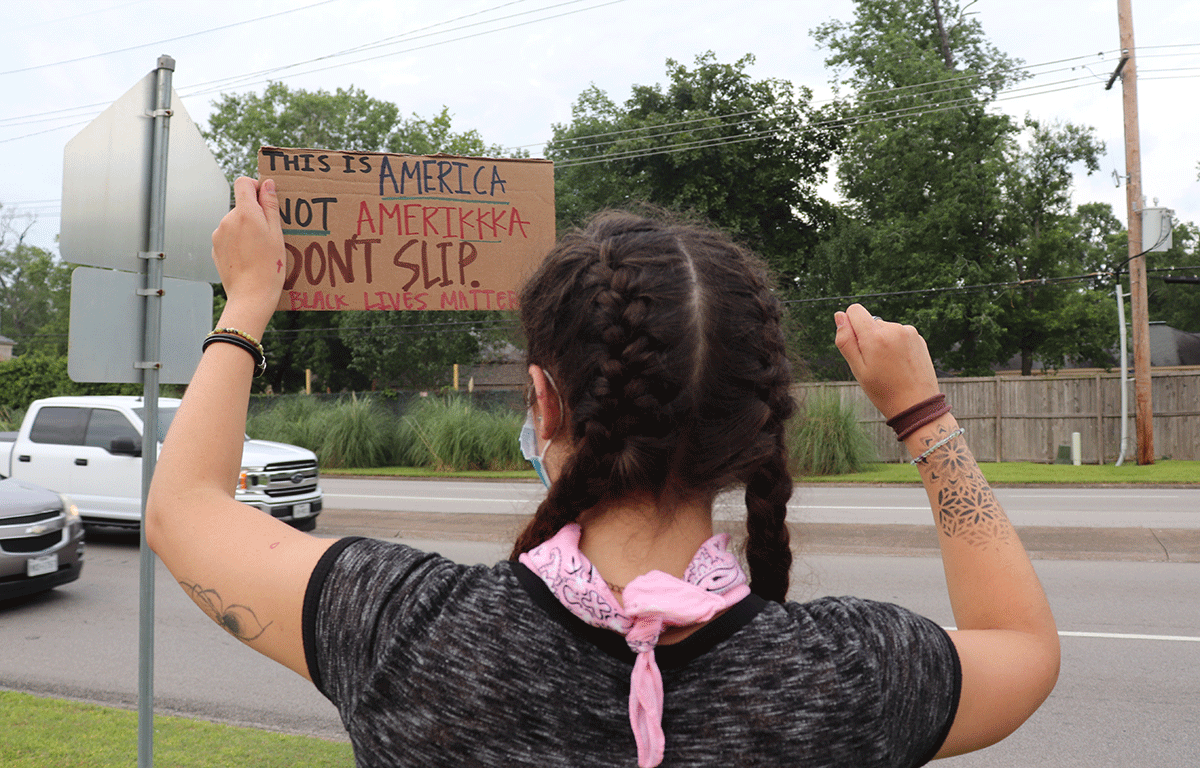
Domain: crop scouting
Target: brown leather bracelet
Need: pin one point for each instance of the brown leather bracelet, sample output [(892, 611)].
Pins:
[(911, 419)]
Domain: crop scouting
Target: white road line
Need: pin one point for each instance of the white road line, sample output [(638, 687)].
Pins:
[(423, 498), (1140, 497), (1120, 636), (794, 505)]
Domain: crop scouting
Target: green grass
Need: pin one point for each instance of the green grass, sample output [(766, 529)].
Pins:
[(1016, 472), (38, 732)]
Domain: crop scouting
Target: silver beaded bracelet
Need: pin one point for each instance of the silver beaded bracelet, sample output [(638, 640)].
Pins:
[(937, 445)]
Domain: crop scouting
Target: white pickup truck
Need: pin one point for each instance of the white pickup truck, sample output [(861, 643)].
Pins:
[(91, 449)]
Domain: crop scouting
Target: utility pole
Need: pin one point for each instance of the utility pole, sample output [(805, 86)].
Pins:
[(1144, 408)]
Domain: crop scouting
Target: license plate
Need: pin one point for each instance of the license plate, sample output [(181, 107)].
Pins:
[(301, 510), (40, 566)]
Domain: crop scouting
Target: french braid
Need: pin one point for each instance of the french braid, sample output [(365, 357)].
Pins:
[(666, 342)]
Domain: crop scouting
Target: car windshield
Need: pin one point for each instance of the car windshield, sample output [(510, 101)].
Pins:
[(165, 416)]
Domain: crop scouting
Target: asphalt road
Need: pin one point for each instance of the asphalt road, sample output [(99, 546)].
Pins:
[(1151, 524), (866, 505), (1129, 692)]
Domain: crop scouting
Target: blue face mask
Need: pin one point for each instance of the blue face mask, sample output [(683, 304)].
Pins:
[(528, 442)]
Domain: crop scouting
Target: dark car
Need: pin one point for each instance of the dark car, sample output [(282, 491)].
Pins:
[(41, 539)]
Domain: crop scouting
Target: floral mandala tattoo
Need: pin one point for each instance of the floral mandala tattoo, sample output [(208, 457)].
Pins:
[(238, 620), (966, 507)]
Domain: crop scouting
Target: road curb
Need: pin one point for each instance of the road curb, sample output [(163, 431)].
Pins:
[(1042, 542)]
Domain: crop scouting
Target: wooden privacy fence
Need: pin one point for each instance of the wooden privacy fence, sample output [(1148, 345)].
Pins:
[(1026, 418)]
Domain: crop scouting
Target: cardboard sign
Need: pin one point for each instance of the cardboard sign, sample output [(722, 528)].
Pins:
[(366, 230)]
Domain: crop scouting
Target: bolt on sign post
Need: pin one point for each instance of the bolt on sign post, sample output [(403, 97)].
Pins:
[(124, 212)]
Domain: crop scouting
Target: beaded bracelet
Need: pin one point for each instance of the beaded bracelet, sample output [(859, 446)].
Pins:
[(920, 459), (242, 334), (910, 420), (241, 340)]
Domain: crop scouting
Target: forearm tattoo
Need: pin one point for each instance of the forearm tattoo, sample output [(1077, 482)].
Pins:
[(238, 620), (966, 508)]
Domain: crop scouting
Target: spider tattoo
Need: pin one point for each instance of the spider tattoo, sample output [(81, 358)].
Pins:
[(238, 620)]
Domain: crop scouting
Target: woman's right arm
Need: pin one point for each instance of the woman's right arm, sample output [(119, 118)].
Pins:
[(247, 570), (1006, 637)]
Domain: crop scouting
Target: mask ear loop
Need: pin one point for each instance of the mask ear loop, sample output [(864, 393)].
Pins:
[(562, 409), (538, 459)]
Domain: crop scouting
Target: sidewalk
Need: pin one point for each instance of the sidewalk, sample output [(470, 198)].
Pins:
[(1180, 545)]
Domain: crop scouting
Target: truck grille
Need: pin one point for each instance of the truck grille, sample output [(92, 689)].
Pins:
[(295, 490), (290, 478), (291, 466)]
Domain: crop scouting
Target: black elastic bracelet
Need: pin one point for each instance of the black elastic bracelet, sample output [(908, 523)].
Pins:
[(260, 359)]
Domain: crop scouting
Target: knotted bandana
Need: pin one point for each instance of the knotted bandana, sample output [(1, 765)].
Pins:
[(713, 582)]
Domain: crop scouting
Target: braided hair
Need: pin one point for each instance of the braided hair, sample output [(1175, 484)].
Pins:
[(666, 344)]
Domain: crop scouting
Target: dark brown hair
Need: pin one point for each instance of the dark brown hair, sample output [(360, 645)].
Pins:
[(666, 345)]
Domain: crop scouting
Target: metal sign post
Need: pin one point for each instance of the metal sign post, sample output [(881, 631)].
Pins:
[(146, 228), (150, 365)]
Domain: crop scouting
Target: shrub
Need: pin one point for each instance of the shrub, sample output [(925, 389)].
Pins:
[(298, 420), (35, 375), (356, 433), (11, 418), (453, 434), (825, 438), (450, 433)]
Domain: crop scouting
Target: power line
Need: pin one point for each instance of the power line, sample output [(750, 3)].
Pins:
[(245, 80), (895, 114), (981, 288), (48, 130), (229, 81), (881, 91), (92, 12), (1063, 281), (210, 86), (853, 121), (160, 42)]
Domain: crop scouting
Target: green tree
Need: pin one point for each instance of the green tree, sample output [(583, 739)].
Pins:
[(335, 346), (405, 354), (37, 374), (920, 174), (746, 155), (1054, 322), (940, 197), (35, 291)]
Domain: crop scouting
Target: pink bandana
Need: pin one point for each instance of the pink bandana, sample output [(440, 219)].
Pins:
[(713, 582)]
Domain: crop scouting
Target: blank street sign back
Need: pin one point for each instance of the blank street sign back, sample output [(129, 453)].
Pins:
[(106, 323), (106, 190)]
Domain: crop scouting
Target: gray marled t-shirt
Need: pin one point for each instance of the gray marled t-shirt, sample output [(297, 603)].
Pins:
[(434, 663)]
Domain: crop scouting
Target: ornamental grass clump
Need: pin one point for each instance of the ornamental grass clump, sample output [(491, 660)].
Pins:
[(825, 438), (452, 433), (356, 433), (296, 420)]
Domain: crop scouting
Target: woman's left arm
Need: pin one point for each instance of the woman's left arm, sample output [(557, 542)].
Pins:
[(245, 569)]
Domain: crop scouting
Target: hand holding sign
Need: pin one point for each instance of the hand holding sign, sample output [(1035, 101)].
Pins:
[(248, 251), (380, 231)]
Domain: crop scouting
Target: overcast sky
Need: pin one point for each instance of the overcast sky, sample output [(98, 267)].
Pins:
[(512, 69)]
